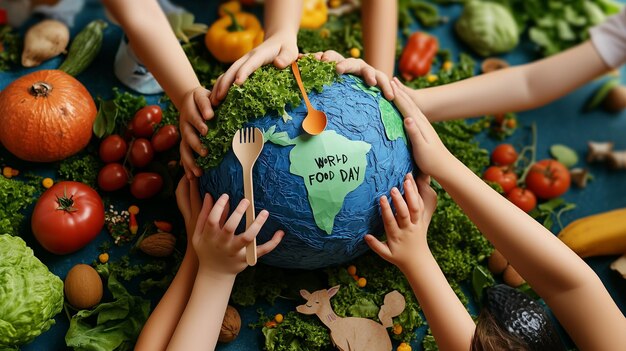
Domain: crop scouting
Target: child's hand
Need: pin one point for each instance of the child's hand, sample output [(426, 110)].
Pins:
[(429, 152), (218, 248), (406, 231), (280, 49), (195, 111), (189, 204), (370, 75)]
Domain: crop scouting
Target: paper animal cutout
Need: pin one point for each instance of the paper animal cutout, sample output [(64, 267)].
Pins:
[(353, 333)]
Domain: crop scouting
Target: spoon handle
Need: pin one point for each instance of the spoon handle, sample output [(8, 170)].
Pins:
[(296, 73)]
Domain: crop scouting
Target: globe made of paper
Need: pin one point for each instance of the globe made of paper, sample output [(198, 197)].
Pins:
[(323, 190)]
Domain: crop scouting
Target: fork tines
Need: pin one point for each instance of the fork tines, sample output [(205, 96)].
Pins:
[(247, 135)]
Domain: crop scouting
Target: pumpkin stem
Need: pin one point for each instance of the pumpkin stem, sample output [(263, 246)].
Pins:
[(66, 203), (40, 89)]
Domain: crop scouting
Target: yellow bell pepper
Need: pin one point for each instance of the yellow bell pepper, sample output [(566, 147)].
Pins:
[(229, 38), (314, 14), (232, 6)]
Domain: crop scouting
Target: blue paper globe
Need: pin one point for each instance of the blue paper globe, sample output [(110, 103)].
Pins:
[(322, 190)]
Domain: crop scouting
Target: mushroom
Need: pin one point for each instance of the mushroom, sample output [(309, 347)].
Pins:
[(580, 176), (617, 159), (615, 100), (493, 64), (599, 151)]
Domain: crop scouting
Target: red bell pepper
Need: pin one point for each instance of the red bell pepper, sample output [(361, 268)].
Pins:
[(3, 17), (417, 55)]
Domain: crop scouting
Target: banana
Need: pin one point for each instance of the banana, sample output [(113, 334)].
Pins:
[(597, 235)]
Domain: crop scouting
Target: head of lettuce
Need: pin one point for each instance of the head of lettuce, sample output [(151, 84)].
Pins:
[(488, 28), (30, 296)]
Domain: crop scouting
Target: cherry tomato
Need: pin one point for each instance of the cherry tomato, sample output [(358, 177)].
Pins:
[(523, 198), (141, 153), (165, 138), (548, 179), (112, 177), (504, 155), (507, 179), (144, 121), (112, 148), (145, 185), (67, 217)]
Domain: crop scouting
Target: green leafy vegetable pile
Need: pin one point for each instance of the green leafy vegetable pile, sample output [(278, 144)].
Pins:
[(10, 47), (82, 169), (425, 12), (111, 325), (339, 33), (558, 25), (114, 115), (30, 296), (15, 196), (461, 70), (268, 89)]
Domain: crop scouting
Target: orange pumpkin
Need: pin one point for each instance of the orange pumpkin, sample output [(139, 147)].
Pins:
[(46, 116)]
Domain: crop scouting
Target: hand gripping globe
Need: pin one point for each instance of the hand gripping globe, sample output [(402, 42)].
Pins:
[(322, 190)]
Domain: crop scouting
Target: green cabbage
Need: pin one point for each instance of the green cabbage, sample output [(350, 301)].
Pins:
[(488, 28), (30, 296)]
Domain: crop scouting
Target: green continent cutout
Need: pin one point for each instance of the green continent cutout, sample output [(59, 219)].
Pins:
[(392, 121), (332, 166)]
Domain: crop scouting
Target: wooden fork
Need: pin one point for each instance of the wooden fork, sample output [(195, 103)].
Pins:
[(247, 145)]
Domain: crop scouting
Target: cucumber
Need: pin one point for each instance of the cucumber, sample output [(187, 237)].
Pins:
[(84, 48)]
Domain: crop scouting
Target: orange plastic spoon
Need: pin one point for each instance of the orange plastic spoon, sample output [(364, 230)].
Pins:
[(315, 121)]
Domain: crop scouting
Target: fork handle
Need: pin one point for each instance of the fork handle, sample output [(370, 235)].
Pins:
[(296, 73), (249, 194)]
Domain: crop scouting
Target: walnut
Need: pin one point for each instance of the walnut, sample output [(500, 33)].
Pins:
[(230, 325)]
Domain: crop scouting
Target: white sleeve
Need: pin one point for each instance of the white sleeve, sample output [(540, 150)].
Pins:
[(609, 38)]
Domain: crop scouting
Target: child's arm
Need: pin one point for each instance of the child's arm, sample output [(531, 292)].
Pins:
[(156, 333), (380, 32), (282, 20), (406, 247), (155, 44), (571, 289), (513, 89), (221, 256)]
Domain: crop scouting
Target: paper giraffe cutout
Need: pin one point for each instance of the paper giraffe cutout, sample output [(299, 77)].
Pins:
[(353, 333)]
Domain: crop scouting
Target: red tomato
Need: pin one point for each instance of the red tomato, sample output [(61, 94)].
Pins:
[(504, 155), (523, 198), (165, 138), (502, 176), (141, 153), (67, 217), (146, 185), (112, 177), (112, 148), (548, 179), (145, 120)]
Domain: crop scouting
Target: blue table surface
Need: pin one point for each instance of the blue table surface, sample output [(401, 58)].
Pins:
[(558, 122)]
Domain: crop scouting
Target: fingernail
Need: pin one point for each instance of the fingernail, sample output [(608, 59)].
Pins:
[(408, 121), (223, 197), (264, 213), (395, 190), (204, 152)]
